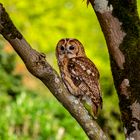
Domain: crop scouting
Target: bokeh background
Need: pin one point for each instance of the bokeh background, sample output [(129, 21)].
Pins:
[(28, 111)]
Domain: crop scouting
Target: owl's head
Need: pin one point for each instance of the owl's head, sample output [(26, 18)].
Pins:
[(69, 48)]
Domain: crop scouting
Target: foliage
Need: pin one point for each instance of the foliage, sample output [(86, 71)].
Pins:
[(27, 114)]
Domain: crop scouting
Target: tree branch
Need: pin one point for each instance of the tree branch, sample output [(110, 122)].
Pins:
[(39, 67), (120, 24)]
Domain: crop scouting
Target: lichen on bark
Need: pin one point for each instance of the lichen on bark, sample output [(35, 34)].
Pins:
[(126, 12)]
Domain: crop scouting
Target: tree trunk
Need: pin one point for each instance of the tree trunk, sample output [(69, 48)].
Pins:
[(120, 24)]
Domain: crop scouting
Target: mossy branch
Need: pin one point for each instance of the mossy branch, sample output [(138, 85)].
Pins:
[(120, 24), (39, 67)]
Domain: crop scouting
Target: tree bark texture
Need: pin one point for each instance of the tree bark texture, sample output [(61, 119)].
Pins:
[(120, 24), (39, 67)]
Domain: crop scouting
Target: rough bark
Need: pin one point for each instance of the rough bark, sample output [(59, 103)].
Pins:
[(39, 67), (120, 24)]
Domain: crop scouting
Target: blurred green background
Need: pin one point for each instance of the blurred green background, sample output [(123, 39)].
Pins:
[(28, 111)]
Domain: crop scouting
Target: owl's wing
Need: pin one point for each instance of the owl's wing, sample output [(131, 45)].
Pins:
[(85, 76)]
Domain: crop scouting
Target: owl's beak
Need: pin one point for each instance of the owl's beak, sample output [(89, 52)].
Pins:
[(68, 51)]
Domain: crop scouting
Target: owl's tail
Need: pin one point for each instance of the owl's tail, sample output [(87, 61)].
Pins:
[(95, 110), (96, 106)]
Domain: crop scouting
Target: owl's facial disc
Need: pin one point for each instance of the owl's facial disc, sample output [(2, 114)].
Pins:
[(67, 50), (71, 50)]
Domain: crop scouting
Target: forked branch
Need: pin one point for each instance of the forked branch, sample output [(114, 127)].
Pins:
[(39, 67)]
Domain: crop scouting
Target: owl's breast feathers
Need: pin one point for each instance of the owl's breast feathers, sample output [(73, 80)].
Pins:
[(85, 76)]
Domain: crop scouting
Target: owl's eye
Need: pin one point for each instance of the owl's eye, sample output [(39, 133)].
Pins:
[(71, 47), (62, 48)]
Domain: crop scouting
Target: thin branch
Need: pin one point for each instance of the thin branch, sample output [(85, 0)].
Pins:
[(39, 67)]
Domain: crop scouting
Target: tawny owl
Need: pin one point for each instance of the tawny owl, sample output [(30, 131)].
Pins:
[(79, 73)]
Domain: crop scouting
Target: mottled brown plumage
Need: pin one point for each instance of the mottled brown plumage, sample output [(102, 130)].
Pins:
[(79, 73)]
